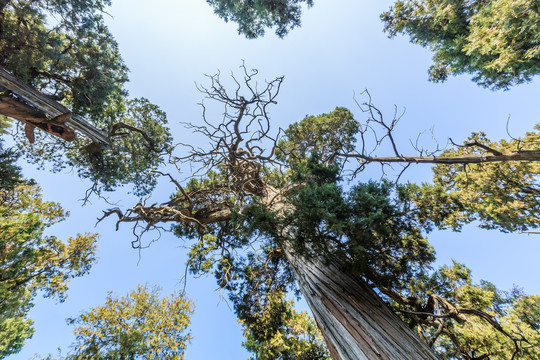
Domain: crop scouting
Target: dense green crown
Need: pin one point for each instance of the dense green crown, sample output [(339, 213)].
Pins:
[(254, 16), (498, 42), (501, 195), (140, 325)]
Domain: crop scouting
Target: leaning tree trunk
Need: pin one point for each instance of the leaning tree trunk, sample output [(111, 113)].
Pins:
[(355, 322)]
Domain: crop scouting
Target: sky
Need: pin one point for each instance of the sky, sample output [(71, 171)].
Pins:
[(339, 51)]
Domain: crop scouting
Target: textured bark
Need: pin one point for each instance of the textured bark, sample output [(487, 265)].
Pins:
[(33, 118), (355, 322), (522, 155), (30, 103)]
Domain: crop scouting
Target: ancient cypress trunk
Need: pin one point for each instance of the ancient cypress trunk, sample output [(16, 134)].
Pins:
[(355, 322)]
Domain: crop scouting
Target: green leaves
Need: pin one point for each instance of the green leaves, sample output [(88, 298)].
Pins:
[(369, 230), (325, 134), (501, 195), (77, 62), (278, 331), (494, 324), (31, 261), (254, 16), (495, 41), (140, 325)]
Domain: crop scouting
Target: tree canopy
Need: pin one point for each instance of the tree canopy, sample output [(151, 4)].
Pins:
[(253, 17), (495, 41), (64, 49), (263, 216), (30, 261), (140, 325)]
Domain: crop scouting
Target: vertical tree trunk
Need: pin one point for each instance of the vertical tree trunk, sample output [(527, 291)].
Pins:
[(355, 322)]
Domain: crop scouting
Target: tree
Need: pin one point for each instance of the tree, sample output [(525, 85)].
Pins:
[(480, 180), (140, 325), (75, 60), (495, 41), (267, 211), (29, 260), (279, 332), (254, 16)]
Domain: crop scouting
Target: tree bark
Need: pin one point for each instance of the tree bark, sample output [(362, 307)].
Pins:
[(522, 155), (355, 322), (36, 102)]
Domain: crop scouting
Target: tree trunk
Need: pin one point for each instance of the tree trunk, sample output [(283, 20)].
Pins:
[(355, 322)]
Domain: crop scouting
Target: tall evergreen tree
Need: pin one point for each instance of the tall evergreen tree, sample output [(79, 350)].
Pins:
[(270, 212)]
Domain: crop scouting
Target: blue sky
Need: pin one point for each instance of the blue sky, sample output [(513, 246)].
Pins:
[(340, 50)]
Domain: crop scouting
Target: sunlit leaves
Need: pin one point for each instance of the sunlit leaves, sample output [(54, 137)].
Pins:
[(495, 41), (501, 195), (140, 325), (325, 134), (30, 261), (278, 331)]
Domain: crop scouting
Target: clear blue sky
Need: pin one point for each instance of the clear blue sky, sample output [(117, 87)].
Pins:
[(339, 50)]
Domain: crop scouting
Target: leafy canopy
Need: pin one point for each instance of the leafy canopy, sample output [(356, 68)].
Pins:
[(495, 41), (373, 229), (64, 49), (140, 325), (254, 16), (30, 261), (500, 195), (515, 314)]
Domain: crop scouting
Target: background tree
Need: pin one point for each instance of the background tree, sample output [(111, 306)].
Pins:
[(140, 325), (268, 210), (29, 260), (495, 41), (64, 49), (254, 16)]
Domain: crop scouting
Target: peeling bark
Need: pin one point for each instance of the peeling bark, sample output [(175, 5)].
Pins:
[(355, 322)]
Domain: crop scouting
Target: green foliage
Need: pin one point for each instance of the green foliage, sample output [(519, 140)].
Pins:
[(325, 134), (10, 174), (257, 280), (371, 228), (280, 332), (254, 16), (5, 123), (496, 41), (517, 314), (127, 161), (64, 49), (140, 325), (31, 261), (501, 195)]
